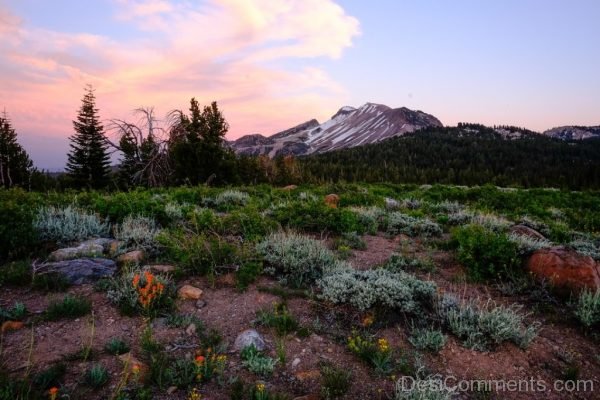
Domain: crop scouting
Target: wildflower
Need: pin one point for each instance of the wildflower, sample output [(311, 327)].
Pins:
[(368, 320), (383, 345), (53, 392), (200, 360), (260, 387), (194, 395)]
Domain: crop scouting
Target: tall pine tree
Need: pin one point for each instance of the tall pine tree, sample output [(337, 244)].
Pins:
[(89, 161), (15, 165)]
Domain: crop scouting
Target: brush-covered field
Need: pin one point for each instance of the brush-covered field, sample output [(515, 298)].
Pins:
[(309, 292)]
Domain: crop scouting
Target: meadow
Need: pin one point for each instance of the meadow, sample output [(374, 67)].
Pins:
[(298, 292)]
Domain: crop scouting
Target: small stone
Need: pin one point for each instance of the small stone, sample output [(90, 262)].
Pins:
[(189, 292), (160, 269), (132, 257), (295, 363), (247, 338), (191, 330), (330, 350), (172, 390), (200, 304)]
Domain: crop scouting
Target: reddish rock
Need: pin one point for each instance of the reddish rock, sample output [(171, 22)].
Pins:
[(332, 200), (524, 230), (290, 187), (11, 326), (565, 269), (189, 292)]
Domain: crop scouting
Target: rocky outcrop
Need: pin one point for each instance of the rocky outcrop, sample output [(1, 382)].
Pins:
[(81, 270), (565, 269), (574, 132)]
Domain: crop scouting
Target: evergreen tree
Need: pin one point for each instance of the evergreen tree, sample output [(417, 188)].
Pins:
[(15, 165), (198, 150), (89, 161)]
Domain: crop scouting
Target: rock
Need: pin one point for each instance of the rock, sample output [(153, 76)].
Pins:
[(132, 257), (82, 270), (160, 269), (312, 396), (138, 371), (247, 338), (83, 250), (332, 200), (565, 269), (11, 326), (524, 230), (191, 330), (200, 304), (295, 363), (189, 292), (391, 204), (290, 187), (172, 390), (308, 375)]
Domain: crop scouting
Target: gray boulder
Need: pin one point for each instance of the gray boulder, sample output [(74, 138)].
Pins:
[(247, 338), (82, 270), (89, 248)]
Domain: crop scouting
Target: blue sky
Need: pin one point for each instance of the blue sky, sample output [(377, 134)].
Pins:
[(274, 63)]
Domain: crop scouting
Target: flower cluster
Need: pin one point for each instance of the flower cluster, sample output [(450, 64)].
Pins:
[(209, 365), (378, 353), (260, 392), (148, 288), (194, 394), (53, 392)]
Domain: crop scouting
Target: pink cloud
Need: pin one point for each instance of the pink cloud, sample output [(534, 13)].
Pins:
[(221, 50)]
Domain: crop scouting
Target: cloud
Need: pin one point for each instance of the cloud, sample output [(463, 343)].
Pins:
[(237, 52)]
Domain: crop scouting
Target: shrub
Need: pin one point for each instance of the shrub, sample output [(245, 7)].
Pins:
[(371, 218), (298, 260), (17, 273), (481, 326), (352, 240), (411, 226), (377, 354), (424, 388), (379, 287), (491, 222), (175, 211), (399, 262), (97, 376), (485, 254), (527, 244), (316, 217), (69, 224), (17, 312), (587, 247), (588, 308), (449, 207), (280, 319), (247, 274), (137, 232), (18, 237), (51, 282), (248, 223), (137, 291), (68, 307), (335, 381), (49, 377), (460, 217), (116, 346), (427, 339), (230, 198), (411, 203), (256, 362)]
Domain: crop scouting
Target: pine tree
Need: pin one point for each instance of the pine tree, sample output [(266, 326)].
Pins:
[(89, 161), (15, 165)]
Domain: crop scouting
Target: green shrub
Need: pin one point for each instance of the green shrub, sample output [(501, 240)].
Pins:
[(68, 224), (399, 262), (49, 377), (588, 308), (97, 376), (427, 339), (51, 282), (248, 223), (402, 223), (485, 254), (481, 326), (351, 240), (68, 307), (247, 274), (16, 313), (17, 273), (370, 218), (316, 217), (377, 354), (137, 232), (18, 238), (380, 287), (298, 260), (116, 346), (527, 244), (125, 295), (279, 318), (335, 381), (256, 362)]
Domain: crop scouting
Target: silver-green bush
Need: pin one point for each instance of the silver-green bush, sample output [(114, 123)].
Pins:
[(422, 387), (137, 232), (402, 223), (527, 244), (587, 247), (232, 198), (491, 221), (427, 339), (370, 217), (298, 260), (588, 308), (365, 289), (68, 224)]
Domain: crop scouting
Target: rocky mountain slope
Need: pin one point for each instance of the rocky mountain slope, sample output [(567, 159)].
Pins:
[(349, 127), (574, 132)]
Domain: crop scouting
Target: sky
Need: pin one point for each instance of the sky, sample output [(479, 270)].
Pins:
[(271, 64)]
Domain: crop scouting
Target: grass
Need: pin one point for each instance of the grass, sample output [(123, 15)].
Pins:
[(116, 346), (96, 376), (68, 307), (335, 381), (279, 318)]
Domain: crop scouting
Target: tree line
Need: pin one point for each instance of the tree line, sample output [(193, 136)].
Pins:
[(189, 148)]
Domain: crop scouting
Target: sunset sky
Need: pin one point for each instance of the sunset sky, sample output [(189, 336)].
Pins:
[(274, 63)]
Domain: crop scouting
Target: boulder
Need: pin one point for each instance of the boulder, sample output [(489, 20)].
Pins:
[(524, 230), (189, 292), (565, 269), (83, 250), (161, 269), (132, 257), (332, 200), (82, 270), (247, 338)]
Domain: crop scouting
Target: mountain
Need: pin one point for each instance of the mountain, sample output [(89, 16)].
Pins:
[(349, 127), (574, 132)]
